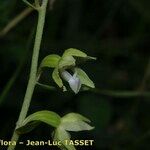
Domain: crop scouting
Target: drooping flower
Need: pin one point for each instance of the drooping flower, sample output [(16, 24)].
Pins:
[(71, 122), (68, 62)]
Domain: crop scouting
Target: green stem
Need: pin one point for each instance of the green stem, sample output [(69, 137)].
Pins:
[(15, 21), (33, 71), (45, 86), (121, 94)]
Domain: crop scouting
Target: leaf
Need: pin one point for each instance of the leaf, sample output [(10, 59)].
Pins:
[(48, 117), (57, 79), (84, 78), (62, 135), (74, 52), (66, 61), (75, 122), (50, 61)]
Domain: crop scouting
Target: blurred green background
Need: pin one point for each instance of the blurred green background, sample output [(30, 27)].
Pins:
[(118, 34)]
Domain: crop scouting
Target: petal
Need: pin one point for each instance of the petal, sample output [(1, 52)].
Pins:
[(75, 84), (66, 75)]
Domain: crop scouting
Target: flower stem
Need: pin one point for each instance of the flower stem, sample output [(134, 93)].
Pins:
[(33, 71)]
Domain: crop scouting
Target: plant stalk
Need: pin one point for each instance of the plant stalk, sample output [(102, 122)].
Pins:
[(33, 71), (15, 21)]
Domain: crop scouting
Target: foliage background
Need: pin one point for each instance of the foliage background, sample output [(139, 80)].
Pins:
[(117, 33)]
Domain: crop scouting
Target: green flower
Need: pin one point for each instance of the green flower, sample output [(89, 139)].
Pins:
[(62, 125), (71, 122), (62, 66)]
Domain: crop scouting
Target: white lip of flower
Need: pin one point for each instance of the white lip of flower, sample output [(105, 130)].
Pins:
[(74, 81)]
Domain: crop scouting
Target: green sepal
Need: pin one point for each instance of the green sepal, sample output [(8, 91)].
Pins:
[(90, 57), (48, 117), (74, 52), (57, 79), (85, 80), (66, 62), (77, 53), (61, 134), (50, 61), (75, 122)]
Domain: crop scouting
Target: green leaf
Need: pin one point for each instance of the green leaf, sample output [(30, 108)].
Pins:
[(50, 61), (84, 78), (66, 61), (74, 52), (62, 135), (57, 79), (48, 117), (75, 122)]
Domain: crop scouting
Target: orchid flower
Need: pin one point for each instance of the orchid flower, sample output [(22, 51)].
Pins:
[(68, 61)]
